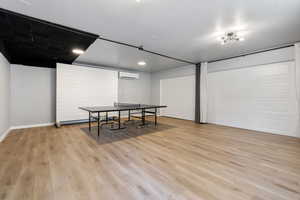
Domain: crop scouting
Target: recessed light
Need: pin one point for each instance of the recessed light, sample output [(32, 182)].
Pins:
[(138, 1), (142, 63), (78, 51)]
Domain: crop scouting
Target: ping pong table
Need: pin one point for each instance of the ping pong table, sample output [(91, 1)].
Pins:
[(119, 107)]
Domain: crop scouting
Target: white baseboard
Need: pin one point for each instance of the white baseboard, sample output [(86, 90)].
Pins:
[(32, 126), (3, 136)]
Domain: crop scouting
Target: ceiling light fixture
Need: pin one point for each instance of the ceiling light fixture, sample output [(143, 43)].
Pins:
[(78, 51), (141, 63), (138, 1), (230, 37)]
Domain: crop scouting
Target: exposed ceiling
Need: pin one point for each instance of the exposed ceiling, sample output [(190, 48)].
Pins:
[(185, 29), (30, 42)]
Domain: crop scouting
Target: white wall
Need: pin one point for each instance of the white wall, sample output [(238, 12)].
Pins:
[(179, 95), (135, 91), (4, 97), (157, 77), (131, 91), (31, 85), (259, 98), (33, 94), (254, 92), (33, 91), (78, 86), (275, 56), (268, 57)]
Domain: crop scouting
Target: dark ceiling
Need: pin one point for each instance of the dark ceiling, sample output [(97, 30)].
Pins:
[(29, 41)]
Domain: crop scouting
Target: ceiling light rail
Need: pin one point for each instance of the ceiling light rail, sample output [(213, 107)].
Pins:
[(173, 58), (117, 42)]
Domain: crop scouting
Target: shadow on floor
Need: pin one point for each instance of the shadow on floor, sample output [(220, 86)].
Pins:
[(132, 130)]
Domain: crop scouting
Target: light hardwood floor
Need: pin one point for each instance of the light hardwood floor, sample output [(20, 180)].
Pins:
[(186, 161)]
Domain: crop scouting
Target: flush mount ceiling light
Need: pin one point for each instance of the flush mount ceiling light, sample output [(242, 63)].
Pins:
[(142, 63), (78, 51), (231, 37)]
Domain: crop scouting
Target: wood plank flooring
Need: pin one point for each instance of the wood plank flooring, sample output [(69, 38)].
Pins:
[(185, 162)]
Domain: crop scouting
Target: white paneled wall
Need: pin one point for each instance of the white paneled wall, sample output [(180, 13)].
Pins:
[(259, 98), (253, 92), (268, 57), (83, 86), (34, 88)]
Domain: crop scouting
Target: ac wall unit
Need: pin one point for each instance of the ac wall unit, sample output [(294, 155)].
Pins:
[(128, 75)]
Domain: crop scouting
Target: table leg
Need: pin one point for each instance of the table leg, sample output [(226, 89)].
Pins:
[(128, 115), (106, 117), (155, 116), (143, 117), (90, 121), (98, 124), (119, 124)]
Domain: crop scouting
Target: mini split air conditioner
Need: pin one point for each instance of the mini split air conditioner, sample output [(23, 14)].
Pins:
[(128, 75)]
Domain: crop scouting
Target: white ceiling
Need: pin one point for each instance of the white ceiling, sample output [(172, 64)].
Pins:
[(185, 29), (113, 55)]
